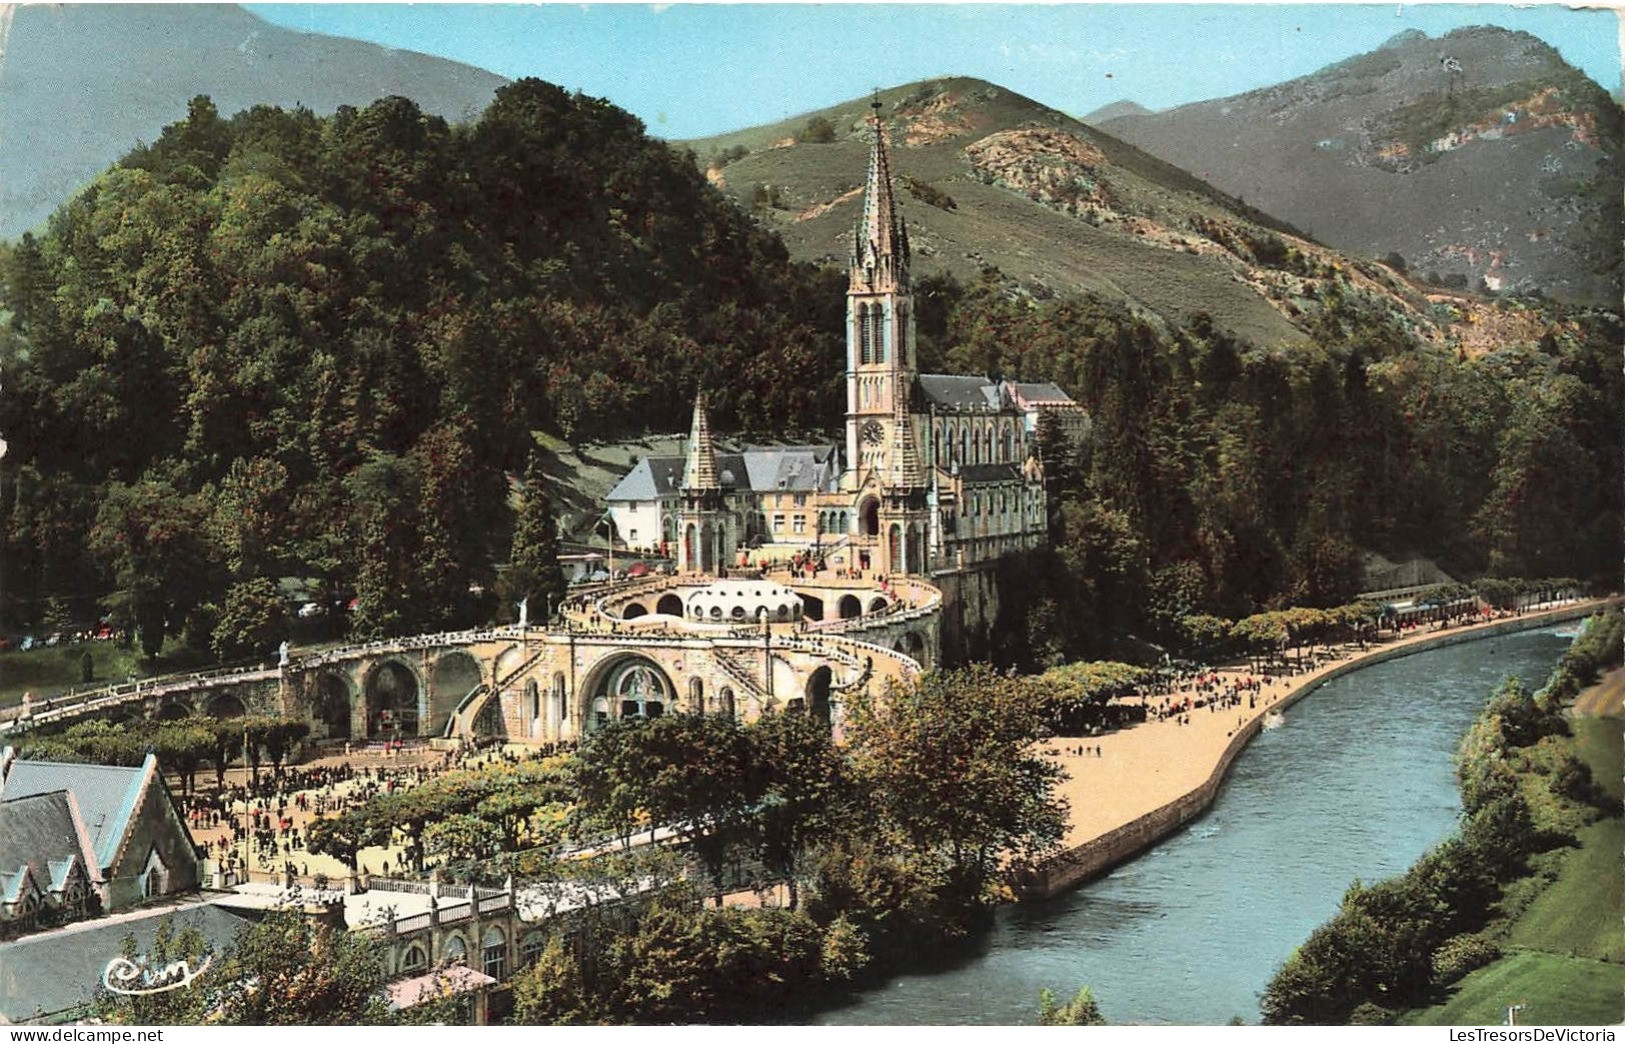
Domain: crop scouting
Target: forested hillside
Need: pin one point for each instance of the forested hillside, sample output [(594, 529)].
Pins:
[(1223, 478), (278, 344)]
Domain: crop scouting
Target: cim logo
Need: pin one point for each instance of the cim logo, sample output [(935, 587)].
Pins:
[(135, 977)]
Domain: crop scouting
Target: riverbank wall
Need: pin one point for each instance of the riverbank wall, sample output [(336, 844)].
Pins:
[(1098, 855)]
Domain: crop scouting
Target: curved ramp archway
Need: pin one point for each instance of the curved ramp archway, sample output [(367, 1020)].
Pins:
[(454, 675)]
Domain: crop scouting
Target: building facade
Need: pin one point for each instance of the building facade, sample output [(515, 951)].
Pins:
[(939, 471), (78, 840)]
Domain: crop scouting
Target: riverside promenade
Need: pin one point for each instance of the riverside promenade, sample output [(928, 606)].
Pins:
[(1152, 778)]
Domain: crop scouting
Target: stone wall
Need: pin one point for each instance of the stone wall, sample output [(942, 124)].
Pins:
[(970, 612)]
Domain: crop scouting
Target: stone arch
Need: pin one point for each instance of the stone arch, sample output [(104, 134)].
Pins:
[(912, 644), (877, 604), (1009, 447), (532, 704), (454, 950), (670, 604), (916, 548), (696, 696), (725, 705), (849, 607), (812, 606), (691, 548), (627, 686), (174, 708), (452, 677), (894, 549), (869, 516), (226, 705), (333, 701), (414, 958), (391, 691), (817, 694), (633, 610)]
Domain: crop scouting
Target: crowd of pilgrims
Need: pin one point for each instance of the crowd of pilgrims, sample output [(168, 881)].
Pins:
[(273, 814)]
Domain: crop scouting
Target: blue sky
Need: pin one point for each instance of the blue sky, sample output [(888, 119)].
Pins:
[(699, 69)]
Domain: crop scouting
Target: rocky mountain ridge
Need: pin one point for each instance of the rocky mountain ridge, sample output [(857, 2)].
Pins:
[(988, 180), (1480, 158)]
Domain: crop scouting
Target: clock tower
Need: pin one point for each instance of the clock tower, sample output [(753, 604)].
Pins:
[(880, 364)]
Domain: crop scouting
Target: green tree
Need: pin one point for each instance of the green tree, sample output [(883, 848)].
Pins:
[(1081, 1010), (533, 572), (806, 791), (253, 619), (152, 539), (949, 763)]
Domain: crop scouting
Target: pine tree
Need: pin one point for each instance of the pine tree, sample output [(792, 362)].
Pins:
[(533, 560)]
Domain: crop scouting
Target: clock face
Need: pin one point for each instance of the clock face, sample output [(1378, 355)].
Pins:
[(873, 433)]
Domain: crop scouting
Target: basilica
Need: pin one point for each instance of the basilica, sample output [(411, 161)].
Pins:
[(937, 471)]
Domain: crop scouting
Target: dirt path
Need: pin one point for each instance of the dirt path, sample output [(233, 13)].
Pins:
[(1606, 699)]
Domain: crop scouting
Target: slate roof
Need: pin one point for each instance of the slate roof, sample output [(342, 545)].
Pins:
[(758, 469), (51, 972), (651, 478), (959, 391), (979, 473), (38, 833), (1039, 392), (106, 795)]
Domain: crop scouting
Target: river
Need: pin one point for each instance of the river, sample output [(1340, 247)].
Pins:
[(1357, 781)]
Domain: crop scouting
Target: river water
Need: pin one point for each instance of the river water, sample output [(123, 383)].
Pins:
[(1357, 782)]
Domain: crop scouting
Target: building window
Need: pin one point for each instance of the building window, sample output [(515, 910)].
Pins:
[(799, 524), (494, 954), (801, 500), (631, 535), (531, 947), (778, 523), (456, 951), (416, 958)]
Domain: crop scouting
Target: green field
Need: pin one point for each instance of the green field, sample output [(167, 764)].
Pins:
[(45, 672), (1566, 950), (1555, 991)]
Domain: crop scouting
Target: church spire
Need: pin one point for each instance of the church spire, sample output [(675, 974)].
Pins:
[(700, 470), (880, 250)]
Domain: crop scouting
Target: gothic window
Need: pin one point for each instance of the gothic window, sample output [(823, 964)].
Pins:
[(866, 335), (987, 444), (1009, 448), (456, 951), (881, 335), (964, 445), (494, 953)]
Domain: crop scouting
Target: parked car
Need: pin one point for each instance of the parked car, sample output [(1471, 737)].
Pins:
[(310, 609)]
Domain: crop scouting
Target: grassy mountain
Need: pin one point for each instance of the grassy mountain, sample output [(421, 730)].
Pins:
[(1479, 157), (988, 178), (81, 84)]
